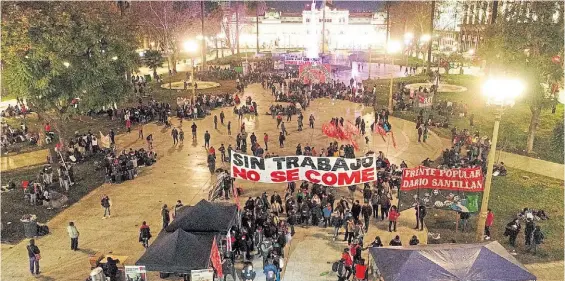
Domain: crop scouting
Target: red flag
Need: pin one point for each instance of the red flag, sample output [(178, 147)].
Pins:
[(393, 140), (236, 197), (215, 258)]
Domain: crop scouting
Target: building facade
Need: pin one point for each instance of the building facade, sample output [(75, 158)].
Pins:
[(344, 30)]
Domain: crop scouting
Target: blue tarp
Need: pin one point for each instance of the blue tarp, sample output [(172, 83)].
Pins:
[(469, 262)]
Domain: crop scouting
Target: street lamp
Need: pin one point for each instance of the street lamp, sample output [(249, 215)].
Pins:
[(392, 48), (66, 64), (425, 38), (499, 92), (114, 58), (191, 47)]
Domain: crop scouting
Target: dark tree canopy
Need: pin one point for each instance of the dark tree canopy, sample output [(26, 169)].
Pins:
[(54, 52)]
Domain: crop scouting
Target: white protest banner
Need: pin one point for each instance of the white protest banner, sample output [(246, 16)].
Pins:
[(135, 273), (329, 171)]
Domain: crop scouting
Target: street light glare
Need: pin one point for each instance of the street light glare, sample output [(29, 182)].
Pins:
[(502, 91), (199, 36), (393, 47), (425, 38), (221, 36), (471, 52), (190, 46), (408, 35)]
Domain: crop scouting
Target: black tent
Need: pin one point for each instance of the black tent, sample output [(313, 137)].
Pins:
[(205, 217), (178, 252), (449, 262)]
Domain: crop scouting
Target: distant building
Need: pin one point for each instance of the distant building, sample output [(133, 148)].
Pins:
[(344, 30)]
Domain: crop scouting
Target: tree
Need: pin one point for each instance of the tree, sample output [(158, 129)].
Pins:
[(258, 7), (54, 53), (522, 43), (153, 59), (171, 22)]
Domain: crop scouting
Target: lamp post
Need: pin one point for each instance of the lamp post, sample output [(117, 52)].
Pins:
[(392, 48), (191, 47), (499, 92)]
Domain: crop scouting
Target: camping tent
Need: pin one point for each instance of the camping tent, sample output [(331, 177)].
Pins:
[(205, 217), (482, 261), (178, 252)]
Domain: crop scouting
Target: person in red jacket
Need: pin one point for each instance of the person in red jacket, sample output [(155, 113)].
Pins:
[(348, 261), (392, 217), (488, 223), (266, 139), (361, 271)]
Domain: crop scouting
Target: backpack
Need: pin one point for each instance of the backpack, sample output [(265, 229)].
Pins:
[(335, 266)]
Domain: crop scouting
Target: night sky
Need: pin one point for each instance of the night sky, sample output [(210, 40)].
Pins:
[(297, 6)]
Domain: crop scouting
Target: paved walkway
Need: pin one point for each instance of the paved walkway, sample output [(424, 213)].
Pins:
[(17, 161), (533, 165), (180, 173)]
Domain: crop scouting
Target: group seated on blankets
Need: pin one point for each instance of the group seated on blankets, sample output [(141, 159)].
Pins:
[(533, 214), (277, 109), (18, 110), (80, 147), (11, 136), (38, 191), (124, 166)]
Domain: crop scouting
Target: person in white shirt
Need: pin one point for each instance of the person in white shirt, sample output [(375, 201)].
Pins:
[(73, 234)]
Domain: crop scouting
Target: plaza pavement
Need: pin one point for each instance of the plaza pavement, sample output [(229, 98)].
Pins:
[(16, 161), (181, 173)]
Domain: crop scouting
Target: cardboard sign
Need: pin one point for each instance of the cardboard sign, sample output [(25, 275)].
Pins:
[(329, 171)]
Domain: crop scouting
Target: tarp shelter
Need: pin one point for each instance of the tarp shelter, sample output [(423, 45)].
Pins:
[(205, 217), (178, 252), (482, 261)]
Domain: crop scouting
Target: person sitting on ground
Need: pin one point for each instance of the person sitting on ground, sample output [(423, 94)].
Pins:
[(395, 242), (414, 241)]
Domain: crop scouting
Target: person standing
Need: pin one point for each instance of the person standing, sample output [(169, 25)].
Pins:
[(181, 135), (165, 216), (348, 261), (175, 135), (112, 136), (144, 234), (222, 116), (283, 129), (105, 202), (193, 131), (73, 234), (34, 255), (229, 128), (215, 122), (385, 206), (420, 215), (366, 211), (512, 230), (392, 218), (420, 132), (128, 125), (375, 203), (281, 140), (488, 223), (311, 119), (207, 139), (140, 132), (266, 140)]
